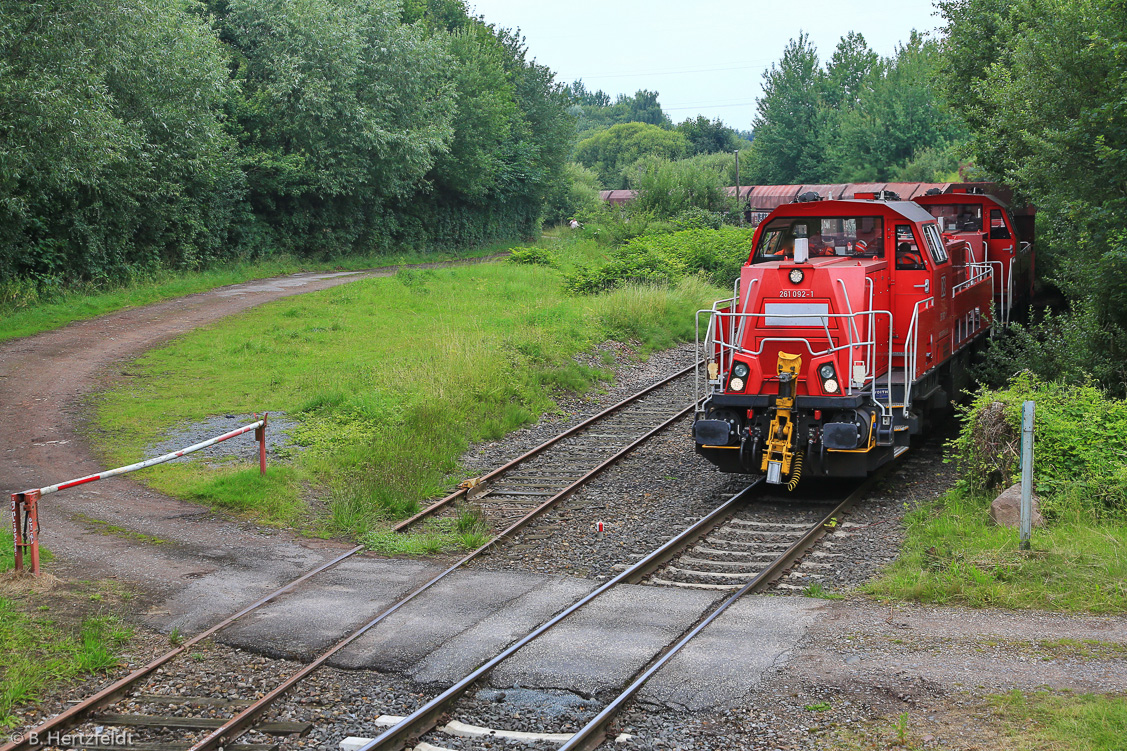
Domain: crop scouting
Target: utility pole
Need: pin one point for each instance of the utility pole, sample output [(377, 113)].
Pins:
[(739, 205)]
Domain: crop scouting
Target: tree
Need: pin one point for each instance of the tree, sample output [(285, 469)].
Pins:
[(643, 107), (1043, 86), (667, 188), (708, 137), (594, 111), (447, 15), (895, 111), (861, 119), (113, 156), (343, 111), (577, 193), (484, 115), (789, 144), (611, 151), (584, 97), (849, 72)]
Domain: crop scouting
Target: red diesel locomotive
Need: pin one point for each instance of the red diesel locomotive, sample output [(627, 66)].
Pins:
[(850, 321)]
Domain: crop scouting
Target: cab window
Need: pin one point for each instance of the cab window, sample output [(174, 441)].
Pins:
[(908, 255), (856, 237), (962, 217), (998, 229), (935, 244)]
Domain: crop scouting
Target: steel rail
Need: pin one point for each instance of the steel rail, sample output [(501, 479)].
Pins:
[(442, 503), (592, 735), (245, 719), (426, 717), (120, 688), (61, 722)]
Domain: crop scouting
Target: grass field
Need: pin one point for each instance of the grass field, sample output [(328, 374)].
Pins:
[(954, 554), (1043, 720), (390, 378), (27, 308), (37, 651)]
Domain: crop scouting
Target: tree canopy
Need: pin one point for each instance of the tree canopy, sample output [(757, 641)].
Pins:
[(857, 118), (111, 156), (1042, 85), (612, 151), (141, 133)]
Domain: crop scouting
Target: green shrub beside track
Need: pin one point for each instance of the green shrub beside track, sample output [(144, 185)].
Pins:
[(666, 258), (954, 553)]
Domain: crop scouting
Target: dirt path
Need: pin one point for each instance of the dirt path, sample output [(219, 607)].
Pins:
[(44, 380)]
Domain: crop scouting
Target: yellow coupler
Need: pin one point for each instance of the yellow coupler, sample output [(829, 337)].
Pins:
[(779, 437)]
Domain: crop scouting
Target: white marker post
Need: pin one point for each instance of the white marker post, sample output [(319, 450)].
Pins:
[(1027, 410)]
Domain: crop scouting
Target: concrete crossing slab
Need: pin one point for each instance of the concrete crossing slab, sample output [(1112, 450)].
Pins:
[(727, 660), (459, 656), (449, 619), (599, 648), (301, 624)]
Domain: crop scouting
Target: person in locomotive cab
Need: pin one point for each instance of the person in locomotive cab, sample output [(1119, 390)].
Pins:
[(908, 256)]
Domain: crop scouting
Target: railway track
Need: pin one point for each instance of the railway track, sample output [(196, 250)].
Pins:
[(513, 495), (549, 473), (796, 541), (751, 541)]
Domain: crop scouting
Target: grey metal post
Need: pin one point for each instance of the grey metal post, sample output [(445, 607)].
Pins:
[(1027, 409)]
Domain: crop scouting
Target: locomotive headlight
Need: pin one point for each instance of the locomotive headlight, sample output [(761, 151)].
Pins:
[(826, 371), (740, 370), (737, 384), (830, 386)]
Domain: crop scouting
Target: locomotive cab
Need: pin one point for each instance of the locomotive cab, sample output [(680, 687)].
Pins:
[(982, 229), (838, 337)]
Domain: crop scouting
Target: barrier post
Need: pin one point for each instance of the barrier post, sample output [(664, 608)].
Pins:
[(260, 436), (16, 504), (25, 518)]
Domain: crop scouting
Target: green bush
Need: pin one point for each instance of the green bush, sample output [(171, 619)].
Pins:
[(1073, 346), (613, 225), (535, 256), (694, 218), (577, 192), (1080, 455), (667, 188), (667, 258)]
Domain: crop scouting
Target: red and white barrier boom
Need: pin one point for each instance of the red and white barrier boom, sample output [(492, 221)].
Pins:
[(25, 512)]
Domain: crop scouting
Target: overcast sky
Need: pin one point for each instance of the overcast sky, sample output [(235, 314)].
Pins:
[(705, 57)]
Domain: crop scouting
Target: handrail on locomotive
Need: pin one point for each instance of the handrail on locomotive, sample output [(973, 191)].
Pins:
[(714, 350)]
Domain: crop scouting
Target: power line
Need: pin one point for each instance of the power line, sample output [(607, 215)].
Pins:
[(706, 105), (752, 64)]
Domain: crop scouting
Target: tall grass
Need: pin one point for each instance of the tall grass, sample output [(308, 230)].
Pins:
[(954, 553), (390, 378)]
